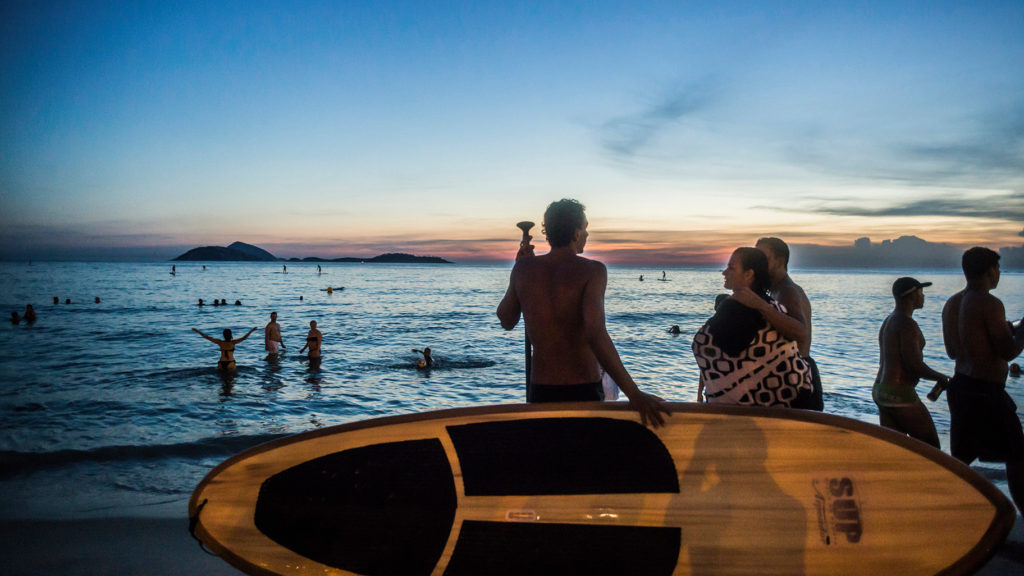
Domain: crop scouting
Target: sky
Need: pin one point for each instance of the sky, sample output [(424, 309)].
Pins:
[(138, 130)]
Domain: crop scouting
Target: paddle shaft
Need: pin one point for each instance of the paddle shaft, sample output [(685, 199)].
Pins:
[(528, 346)]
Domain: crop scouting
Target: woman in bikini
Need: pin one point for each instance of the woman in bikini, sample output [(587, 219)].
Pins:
[(227, 348), (313, 341)]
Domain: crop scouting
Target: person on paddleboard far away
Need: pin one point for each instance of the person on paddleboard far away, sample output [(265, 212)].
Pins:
[(793, 324), (901, 366), (427, 361), (272, 341), (983, 422), (560, 296), (227, 348)]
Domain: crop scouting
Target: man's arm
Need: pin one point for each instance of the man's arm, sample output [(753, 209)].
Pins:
[(911, 356), (649, 406), (1006, 343), (950, 329), (791, 325), (509, 309)]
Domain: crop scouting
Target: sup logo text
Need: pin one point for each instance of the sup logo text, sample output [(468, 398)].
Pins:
[(838, 511)]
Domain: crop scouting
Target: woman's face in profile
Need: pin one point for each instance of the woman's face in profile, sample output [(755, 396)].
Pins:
[(734, 274)]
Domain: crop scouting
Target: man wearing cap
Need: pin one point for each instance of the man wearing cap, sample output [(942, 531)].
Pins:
[(983, 418), (901, 366)]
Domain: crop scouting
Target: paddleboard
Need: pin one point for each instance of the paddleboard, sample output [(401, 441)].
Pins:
[(583, 488)]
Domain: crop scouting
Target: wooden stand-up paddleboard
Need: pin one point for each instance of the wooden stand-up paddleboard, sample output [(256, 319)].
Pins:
[(585, 489)]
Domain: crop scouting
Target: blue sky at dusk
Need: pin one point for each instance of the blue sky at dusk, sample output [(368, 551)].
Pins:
[(141, 129)]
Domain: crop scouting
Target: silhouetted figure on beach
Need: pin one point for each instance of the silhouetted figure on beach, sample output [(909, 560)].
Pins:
[(743, 358), (560, 296), (793, 319), (902, 366), (314, 341), (983, 421), (227, 348)]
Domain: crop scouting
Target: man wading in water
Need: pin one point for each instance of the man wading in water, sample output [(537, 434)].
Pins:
[(560, 296)]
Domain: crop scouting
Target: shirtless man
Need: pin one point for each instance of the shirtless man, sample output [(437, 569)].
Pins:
[(983, 417), (272, 336), (795, 324), (560, 296), (901, 366), (313, 341)]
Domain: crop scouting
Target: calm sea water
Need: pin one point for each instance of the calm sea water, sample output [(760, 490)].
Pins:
[(116, 408)]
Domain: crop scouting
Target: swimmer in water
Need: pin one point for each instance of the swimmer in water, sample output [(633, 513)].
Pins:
[(227, 348), (427, 361), (30, 314), (15, 319), (200, 301), (674, 329), (313, 341)]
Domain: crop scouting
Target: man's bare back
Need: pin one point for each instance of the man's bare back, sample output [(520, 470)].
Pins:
[(559, 294), (977, 335), (792, 296)]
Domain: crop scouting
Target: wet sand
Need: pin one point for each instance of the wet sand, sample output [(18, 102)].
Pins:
[(163, 546)]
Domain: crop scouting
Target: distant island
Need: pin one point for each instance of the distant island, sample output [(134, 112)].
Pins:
[(242, 252)]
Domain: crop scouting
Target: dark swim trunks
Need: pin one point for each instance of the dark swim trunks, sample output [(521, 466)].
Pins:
[(817, 400), (983, 421), (567, 393)]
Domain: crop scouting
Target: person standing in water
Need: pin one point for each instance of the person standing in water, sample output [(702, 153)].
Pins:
[(314, 339), (901, 366), (983, 422), (227, 348), (793, 324), (272, 341), (560, 296)]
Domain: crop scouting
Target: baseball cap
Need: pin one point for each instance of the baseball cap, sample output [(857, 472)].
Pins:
[(905, 285)]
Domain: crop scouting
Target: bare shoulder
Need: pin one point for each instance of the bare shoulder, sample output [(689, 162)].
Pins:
[(953, 302)]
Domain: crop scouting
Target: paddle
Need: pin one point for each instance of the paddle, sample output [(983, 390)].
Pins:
[(525, 227)]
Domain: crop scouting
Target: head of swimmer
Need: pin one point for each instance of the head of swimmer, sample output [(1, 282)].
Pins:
[(565, 224), (227, 335), (747, 267)]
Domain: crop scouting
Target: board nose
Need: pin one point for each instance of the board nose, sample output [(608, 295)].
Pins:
[(379, 509)]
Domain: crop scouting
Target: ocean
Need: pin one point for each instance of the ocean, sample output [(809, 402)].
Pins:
[(115, 408)]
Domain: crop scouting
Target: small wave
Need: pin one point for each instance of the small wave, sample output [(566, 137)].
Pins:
[(13, 463)]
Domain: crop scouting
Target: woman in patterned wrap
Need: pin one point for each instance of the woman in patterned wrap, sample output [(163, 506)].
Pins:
[(742, 358)]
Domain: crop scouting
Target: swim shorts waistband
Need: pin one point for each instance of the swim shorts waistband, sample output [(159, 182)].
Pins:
[(588, 391), (964, 383)]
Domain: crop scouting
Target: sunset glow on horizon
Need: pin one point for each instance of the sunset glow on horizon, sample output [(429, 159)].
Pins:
[(331, 129)]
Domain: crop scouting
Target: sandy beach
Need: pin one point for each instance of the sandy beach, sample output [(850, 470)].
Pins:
[(163, 546)]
